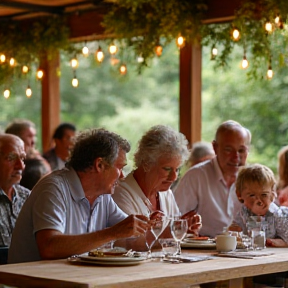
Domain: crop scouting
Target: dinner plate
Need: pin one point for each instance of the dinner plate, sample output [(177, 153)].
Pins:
[(107, 261), (209, 245), (189, 240)]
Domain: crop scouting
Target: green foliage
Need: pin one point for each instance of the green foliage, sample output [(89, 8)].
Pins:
[(28, 42), (144, 24)]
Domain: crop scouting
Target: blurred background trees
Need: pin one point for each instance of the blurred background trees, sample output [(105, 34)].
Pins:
[(131, 104)]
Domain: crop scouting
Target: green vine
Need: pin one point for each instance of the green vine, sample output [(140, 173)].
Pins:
[(28, 43), (144, 23)]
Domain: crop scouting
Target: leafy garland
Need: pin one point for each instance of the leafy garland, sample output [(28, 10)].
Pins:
[(145, 23), (27, 43)]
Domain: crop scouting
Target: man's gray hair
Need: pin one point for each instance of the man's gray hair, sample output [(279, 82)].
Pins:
[(200, 150)]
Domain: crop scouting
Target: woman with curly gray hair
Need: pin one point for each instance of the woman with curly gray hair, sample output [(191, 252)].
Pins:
[(161, 152)]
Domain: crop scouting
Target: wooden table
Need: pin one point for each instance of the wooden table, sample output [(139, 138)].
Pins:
[(150, 274)]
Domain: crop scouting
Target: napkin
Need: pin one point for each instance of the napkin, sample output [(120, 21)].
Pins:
[(245, 255)]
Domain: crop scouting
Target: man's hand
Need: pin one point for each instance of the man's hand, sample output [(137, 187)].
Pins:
[(276, 243), (133, 225), (235, 227), (194, 222)]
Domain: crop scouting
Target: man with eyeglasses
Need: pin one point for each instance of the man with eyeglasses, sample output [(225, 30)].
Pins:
[(12, 195), (209, 186)]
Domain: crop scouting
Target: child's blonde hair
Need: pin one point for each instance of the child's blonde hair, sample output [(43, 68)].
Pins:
[(255, 173)]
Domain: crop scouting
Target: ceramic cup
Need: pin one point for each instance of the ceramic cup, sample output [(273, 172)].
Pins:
[(226, 243)]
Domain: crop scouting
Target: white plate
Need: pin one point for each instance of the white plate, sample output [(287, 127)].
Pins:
[(188, 240), (103, 263), (113, 259), (198, 245)]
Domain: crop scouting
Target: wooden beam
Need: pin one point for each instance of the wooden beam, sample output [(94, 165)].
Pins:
[(50, 99), (190, 92)]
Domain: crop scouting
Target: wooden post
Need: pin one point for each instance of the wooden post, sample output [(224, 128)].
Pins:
[(50, 99), (190, 92)]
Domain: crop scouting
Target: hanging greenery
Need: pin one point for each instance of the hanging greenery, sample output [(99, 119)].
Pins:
[(145, 24), (28, 43)]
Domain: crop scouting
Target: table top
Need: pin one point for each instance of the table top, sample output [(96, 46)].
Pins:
[(61, 273)]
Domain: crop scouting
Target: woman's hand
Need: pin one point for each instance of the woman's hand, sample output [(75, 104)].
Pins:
[(194, 222)]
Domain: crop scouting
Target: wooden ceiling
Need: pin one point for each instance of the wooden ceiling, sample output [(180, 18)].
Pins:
[(85, 16)]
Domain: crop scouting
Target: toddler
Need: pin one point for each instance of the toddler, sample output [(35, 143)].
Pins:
[(256, 189)]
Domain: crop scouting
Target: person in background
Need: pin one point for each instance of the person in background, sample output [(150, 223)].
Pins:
[(71, 211), (282, 187), (63, 138), (161, 152), (26, 130), (34, 170), (209, 187), (201, 151), (12, 195)]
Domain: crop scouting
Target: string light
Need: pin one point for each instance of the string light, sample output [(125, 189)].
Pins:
[(113, 49), (270, 72), (236, 34), (99, 55), (123, 69), (85, 50), (25, 69), (140, 59), (158, 50), (6, 93), (12, 62), (214, 52), (244, 63), (269, 27), (28, 91), (75, 82), (2, 58), (74, 63), (39, 74), (180, 41)]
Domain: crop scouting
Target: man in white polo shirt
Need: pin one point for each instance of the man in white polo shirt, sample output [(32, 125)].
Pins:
[(209, 186), (71, 211)]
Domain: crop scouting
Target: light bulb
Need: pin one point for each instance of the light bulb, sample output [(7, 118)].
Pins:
[(2, 58), (6, 93), (180, 41), (277, 19), (75, 82), (244, 63), (28, 91), (269, 27), (25, 69), (12, 62), (39, 74), (270, 72), (123, 69), (236, 34), (214, 52), (85, 50), (99, 55), (140, 59), (74, 63), (158, 50), (112, 49)]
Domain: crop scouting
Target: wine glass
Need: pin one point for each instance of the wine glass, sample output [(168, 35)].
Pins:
[(179, 228), (158, 225)]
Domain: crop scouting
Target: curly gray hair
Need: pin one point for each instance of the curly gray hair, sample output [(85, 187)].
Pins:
[(159, 141)]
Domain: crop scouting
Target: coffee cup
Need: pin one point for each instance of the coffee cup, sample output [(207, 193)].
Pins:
[(226, 243)]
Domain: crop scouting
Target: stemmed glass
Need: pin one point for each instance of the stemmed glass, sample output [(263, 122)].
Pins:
[(179, 228), (158, 225)]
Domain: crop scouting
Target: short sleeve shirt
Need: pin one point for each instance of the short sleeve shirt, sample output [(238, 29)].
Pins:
[(9, 211), (58, 202)]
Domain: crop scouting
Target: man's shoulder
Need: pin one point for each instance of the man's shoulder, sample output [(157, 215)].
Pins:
[(202, 168), (22, 190)]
